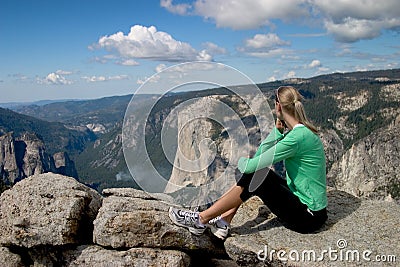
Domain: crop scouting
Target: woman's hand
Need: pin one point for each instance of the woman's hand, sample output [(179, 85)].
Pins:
[(280, 125)]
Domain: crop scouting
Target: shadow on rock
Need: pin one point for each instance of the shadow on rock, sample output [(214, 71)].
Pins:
[(341, 205)]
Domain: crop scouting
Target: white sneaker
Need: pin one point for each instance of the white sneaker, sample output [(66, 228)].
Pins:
[(219, 227), (187, 219)]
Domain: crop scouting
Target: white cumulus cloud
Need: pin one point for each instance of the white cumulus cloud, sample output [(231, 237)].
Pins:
[(249, 14), (55, 78), (265, 41), (149, 43), (264, 45), (346, 20), (314, 64), (349, 21), (214, 49)]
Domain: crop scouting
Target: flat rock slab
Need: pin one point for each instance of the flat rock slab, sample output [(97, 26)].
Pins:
[(357, 233), (10, 259), (130, 218), (88, 256), (47, 209)]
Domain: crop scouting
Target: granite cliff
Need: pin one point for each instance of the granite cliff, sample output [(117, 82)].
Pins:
[(369, 169), (26, 155)]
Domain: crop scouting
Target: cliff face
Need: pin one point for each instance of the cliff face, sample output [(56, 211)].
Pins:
[(208, 146), (64, 165), (196, 150), (8, 162), (26, 155), (370, 168), (31, 156)]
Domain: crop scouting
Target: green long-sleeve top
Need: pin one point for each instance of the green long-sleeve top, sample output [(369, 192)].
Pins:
[(304, 158)]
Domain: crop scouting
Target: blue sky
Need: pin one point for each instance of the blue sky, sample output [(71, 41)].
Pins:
[(63, 49)]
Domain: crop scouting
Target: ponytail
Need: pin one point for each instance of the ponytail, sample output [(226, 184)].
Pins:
[(290, 99), (300, 115)]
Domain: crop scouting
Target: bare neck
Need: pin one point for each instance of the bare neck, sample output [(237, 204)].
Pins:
[(290, 121)]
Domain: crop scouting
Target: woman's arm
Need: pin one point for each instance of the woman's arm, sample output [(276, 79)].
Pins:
[(273, 137), (284, 149)]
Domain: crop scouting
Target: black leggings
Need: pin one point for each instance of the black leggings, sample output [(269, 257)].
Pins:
[(275, 193)]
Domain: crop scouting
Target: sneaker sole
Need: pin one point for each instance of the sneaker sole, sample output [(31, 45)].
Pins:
[(215, 231), (191, 229)]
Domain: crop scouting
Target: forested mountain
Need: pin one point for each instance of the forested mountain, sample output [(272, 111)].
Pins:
[(105, 111), (56, 135), (31, 146)]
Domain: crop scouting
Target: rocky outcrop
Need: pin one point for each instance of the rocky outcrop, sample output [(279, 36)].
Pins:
[(64, 165), (370, 168), (47, 209), (22, 156), (53, 220), (333, 146), (357, 233), (110, 154), (26, 155), (134, 219), (31, 155), (7, 258), (88, 256), (48, 220), (8, 162)]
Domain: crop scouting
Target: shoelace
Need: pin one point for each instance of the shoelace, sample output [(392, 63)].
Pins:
[(189, 217), (213, 221)]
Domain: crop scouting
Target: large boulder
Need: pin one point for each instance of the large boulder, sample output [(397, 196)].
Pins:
[(47, 209), (10, 259), (88, 256), (355, 233), (130, 218)]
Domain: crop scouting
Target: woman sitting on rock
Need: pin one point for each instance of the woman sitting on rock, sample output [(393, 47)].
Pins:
[(299, 201)]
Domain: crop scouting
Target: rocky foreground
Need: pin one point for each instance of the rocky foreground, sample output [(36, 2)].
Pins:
[(53, 220)]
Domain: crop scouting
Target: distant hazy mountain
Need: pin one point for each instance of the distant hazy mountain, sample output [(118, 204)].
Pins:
[(105, 111), (15, 105)]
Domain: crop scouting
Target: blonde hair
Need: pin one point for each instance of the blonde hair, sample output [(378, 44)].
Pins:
[(291, 101)]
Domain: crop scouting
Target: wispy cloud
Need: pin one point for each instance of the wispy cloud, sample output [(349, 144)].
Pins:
[(104, 78), (127, 62), (306, 35), (181, 9), (18, 76)]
